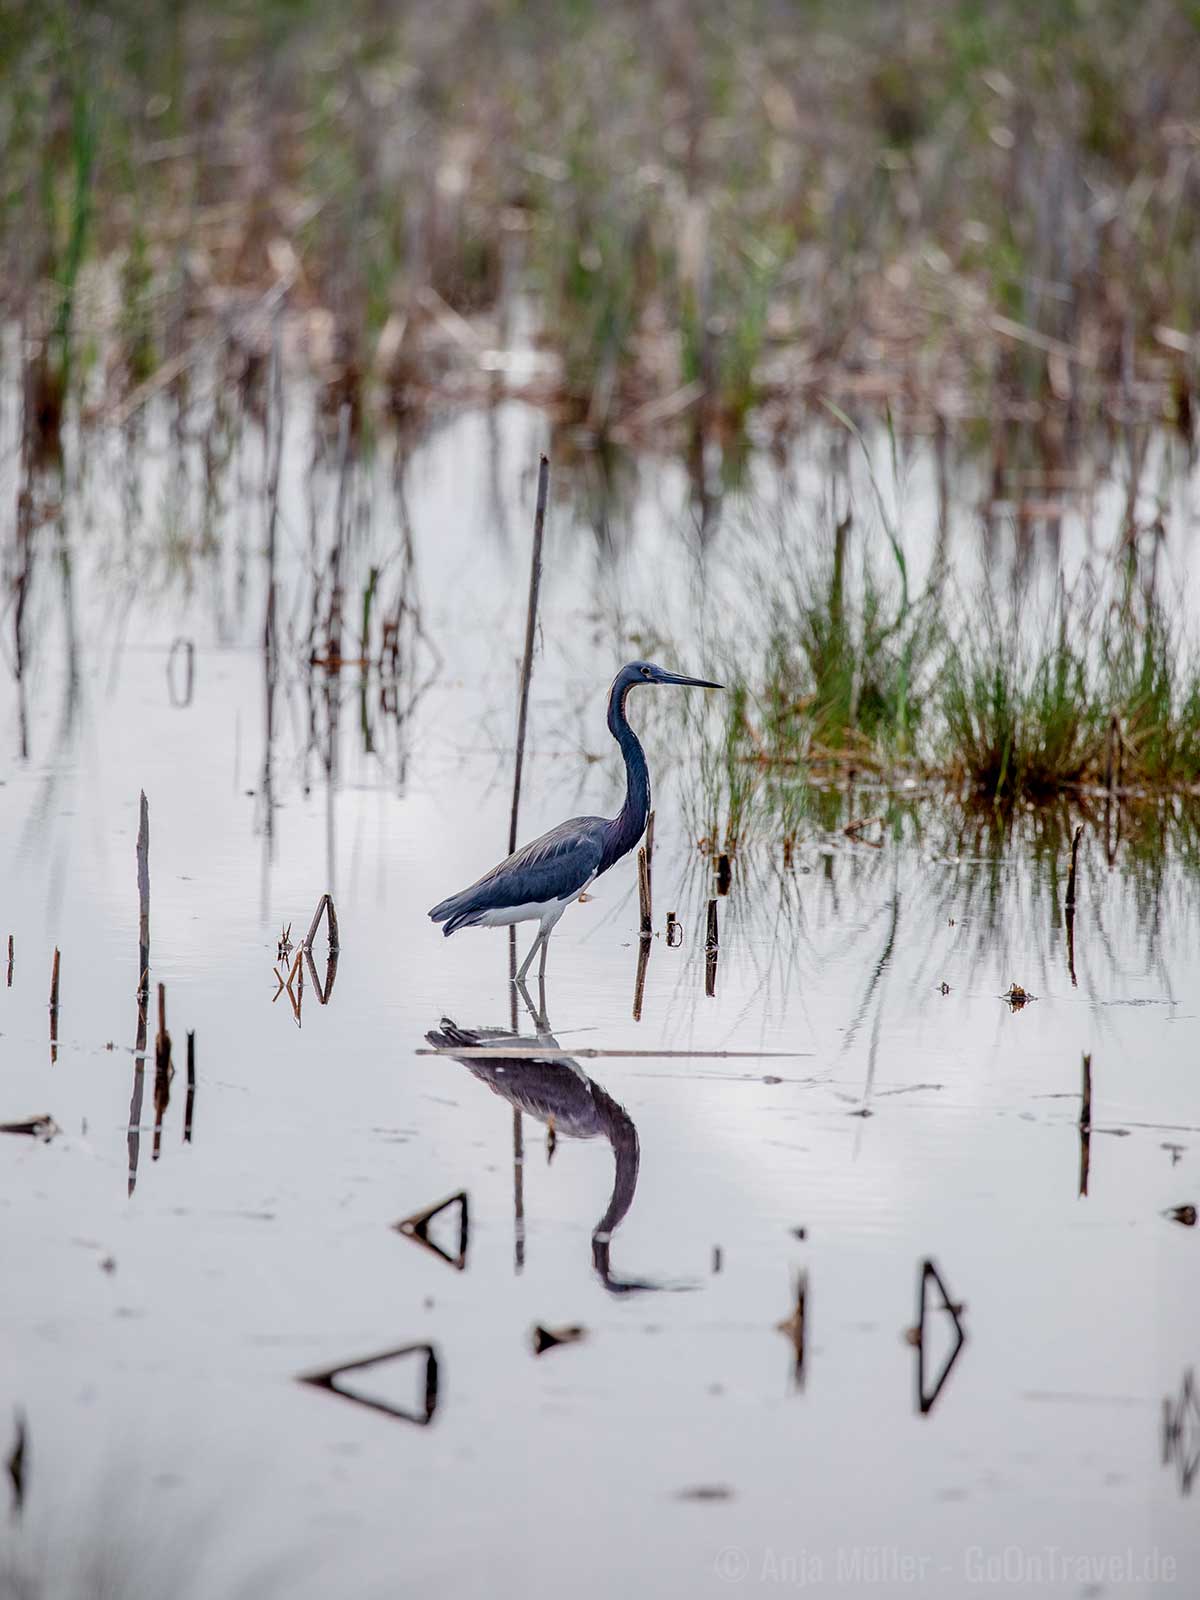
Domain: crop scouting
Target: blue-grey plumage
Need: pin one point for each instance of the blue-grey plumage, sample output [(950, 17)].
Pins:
[(539, 881)]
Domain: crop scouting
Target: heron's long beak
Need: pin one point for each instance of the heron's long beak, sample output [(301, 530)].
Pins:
[(689, 683)]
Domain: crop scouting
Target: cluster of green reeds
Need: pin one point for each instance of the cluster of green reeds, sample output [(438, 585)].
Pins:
[(858, 682)]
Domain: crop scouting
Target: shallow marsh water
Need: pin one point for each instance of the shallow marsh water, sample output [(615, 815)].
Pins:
[(152, 1339)]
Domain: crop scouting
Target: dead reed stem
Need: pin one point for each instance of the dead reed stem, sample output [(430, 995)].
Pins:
[(10, 960), (711, 949), (1085, 1126), (531, 611), (647, 926), (324, 904), (535, 584)]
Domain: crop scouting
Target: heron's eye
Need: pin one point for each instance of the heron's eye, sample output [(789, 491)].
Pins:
[(645, 672)]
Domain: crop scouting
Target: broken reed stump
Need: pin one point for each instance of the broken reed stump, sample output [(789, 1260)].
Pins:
[(711, 948), (325, 904), (674, 931), (54, 1007), (189, 1104), (10, 960), (724, 873), (648, 841), (1078, 834), (647, 926), (162, 1070)]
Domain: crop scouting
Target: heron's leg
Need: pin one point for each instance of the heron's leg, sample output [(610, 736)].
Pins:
[(543, 1018), (542, 962), (537, 1014), (528, 961)]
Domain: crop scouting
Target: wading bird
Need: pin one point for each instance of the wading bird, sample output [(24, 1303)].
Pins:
[(538, 882)]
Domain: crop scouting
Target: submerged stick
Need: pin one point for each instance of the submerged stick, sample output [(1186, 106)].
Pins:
[(535, 584), (1085, 1127)]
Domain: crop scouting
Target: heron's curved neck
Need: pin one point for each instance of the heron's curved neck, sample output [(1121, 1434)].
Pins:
[(627, 827)]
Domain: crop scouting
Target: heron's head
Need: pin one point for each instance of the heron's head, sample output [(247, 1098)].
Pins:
[(647, 672)]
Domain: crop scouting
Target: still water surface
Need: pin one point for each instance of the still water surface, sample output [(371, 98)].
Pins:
[(155, 1320)]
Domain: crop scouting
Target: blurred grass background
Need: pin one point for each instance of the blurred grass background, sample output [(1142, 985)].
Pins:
[(619, 209)]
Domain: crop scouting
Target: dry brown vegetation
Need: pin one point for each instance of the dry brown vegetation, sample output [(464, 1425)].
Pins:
[(632, 212)]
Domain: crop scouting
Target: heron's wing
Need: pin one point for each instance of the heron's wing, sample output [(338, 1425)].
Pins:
[(555, 867)]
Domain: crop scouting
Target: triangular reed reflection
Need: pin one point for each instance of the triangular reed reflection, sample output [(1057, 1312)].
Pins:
[(1181, 1433), (416, 1228), (422, 1415), (927, 1395)]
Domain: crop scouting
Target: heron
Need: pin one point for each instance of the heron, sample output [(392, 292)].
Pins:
[(538, 882)]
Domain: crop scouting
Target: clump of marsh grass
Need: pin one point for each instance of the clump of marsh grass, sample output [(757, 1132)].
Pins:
[(1015, 720), (855, 680)]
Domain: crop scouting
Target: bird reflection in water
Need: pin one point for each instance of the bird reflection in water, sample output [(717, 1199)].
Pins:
[(559, 1094)]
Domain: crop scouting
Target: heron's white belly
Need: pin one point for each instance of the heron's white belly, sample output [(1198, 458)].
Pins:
[(547, 912)]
